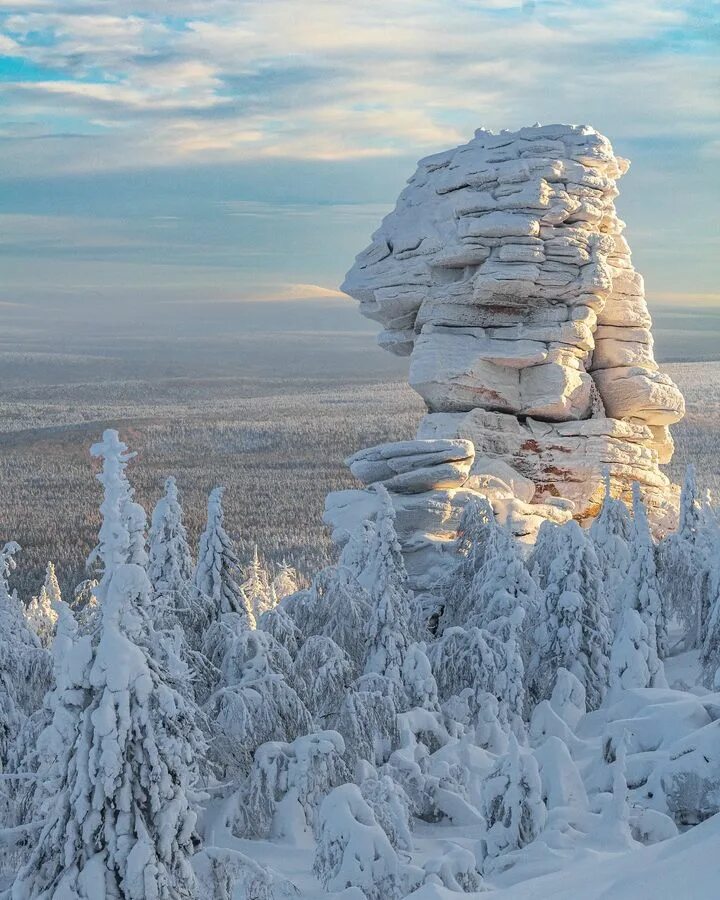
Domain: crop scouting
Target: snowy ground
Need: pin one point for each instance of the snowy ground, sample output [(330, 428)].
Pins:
[(583, 853)]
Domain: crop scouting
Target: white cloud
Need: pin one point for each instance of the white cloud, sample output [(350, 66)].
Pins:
[(343, 80)]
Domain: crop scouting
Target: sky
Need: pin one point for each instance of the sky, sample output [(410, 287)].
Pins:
[(222, 151)]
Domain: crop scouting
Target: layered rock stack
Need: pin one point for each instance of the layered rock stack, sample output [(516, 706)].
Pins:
[(504, 275)]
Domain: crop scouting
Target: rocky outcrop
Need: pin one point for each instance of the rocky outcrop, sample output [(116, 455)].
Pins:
[(504, 274)]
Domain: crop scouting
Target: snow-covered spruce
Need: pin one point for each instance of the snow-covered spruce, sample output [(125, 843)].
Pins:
[(641, 631), (122, 533), (354, 851), (25, 667), (120, 768), (574, 628), (345, 612), (512, 803), (251, 702), (683, 563), (282, 627), (476, 544), (257, 587), (482, 663), (611, 532), (710, 648), (323, 673), (367, 720), (170, 563), (287, 783), (216, 587), (40, 611), (285, 582), (504, 585), (390, 627)]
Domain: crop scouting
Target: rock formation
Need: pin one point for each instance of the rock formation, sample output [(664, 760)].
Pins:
[(504, 275)]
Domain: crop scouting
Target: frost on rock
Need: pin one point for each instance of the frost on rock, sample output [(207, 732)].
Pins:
[(504, 275)]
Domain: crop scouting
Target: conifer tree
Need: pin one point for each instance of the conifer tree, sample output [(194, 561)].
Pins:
[(683, 564), (285, 582), (611, 532), (25, 668), (41, 616), (345, 609), (323, 674), (512, 802), (51, 584), (476, 544), (170, 566), (119, 811), (252, 699), (574, 629), (501, 588), (418, 679), (257, 588), (642, 579), (710, 648), (218, 567), (389, 629), (282, 627), (353, 850), (356, 553), (122, 533), (475, 663)]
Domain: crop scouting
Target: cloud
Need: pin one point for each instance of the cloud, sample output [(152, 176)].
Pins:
[(221, 81), (160, 148)]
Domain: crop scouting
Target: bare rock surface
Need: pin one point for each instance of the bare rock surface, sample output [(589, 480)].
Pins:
[(504, 274)]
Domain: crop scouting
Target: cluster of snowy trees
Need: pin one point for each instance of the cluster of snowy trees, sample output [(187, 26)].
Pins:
[(175, 699)]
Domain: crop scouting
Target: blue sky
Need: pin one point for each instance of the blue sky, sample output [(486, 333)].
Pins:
[(245, 149)]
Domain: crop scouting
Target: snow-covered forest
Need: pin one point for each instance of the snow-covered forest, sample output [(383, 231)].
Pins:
[(189, 724)]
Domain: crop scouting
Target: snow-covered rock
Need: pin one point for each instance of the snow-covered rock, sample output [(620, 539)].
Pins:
[(504, 275)]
